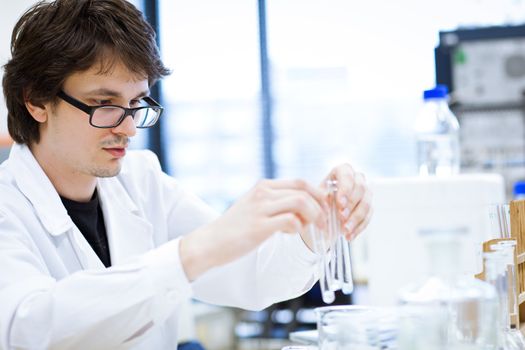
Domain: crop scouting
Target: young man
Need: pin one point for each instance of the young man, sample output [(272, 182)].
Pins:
[(98, 248)]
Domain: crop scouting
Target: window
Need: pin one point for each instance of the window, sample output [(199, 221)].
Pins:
[(212, 117), (141, 139), (346, 77)]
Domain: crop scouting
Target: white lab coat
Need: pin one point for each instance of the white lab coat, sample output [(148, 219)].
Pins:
[(55, 292)]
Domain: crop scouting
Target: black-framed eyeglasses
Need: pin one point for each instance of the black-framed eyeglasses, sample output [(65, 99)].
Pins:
[(110, 116)]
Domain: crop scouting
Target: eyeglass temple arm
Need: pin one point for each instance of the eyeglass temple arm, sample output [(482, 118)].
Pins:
[(83, 107)]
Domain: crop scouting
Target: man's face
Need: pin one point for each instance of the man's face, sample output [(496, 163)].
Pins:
[(77, 147)]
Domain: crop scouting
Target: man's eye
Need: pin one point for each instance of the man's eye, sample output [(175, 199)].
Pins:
[(134, 103), (103, 102)]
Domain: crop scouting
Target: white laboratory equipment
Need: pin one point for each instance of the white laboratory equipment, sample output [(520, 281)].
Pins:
[(437, 135), (403, 206)]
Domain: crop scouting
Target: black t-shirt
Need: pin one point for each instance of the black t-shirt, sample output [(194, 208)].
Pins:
[(90, 221)]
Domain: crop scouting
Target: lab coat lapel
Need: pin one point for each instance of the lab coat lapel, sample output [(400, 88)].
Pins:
[(36, 187), (85, 254), (128, 233)]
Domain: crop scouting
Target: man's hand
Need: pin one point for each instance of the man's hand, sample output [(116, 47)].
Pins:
[(354, 199), (271, 206), (276, 205)]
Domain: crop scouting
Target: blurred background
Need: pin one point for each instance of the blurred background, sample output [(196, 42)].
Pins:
[(290, 88)]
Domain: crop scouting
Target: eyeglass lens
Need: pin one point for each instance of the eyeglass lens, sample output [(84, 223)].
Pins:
[(110, 116)]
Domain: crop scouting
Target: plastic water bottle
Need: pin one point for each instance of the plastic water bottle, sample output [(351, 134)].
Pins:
[(437, 132), (519, 190)]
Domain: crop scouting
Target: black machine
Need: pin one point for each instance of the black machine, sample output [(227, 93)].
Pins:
[(484, 68)]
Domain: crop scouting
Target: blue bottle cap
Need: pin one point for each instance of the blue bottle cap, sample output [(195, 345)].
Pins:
[(519, 188), (440, 91)]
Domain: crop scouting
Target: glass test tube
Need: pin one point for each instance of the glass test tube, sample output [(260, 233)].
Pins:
[(335, 268), (320, 248), (343, 268), (497, 263), (499, 215), (505, 213), (507, 249), (495, 267), (334, 231)]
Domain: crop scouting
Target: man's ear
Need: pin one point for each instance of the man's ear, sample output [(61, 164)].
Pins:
[(39, 113)]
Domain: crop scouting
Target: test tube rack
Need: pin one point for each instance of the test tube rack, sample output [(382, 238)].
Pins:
[(517, 232)]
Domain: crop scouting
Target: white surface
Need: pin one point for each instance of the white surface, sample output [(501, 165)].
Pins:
[(403, 206), (11, 11)]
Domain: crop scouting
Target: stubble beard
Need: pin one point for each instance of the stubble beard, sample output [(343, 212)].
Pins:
[(105, 172), (109, 171)]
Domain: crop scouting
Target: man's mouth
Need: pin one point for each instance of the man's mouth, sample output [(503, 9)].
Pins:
[(117, 152)]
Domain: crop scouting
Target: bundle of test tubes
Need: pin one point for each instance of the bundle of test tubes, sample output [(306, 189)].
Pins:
[(335, 268), (502, 275)]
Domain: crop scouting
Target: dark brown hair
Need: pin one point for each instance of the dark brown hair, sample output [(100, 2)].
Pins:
[(53, 40)]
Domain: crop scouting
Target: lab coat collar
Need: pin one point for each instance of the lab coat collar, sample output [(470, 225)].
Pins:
[(128, 233), (38, 189)]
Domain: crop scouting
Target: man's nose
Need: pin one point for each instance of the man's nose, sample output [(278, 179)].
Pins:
[(126, 127)]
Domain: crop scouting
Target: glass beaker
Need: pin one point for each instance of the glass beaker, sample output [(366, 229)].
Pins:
[(422, 326), (348, 327), (467, 308)]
